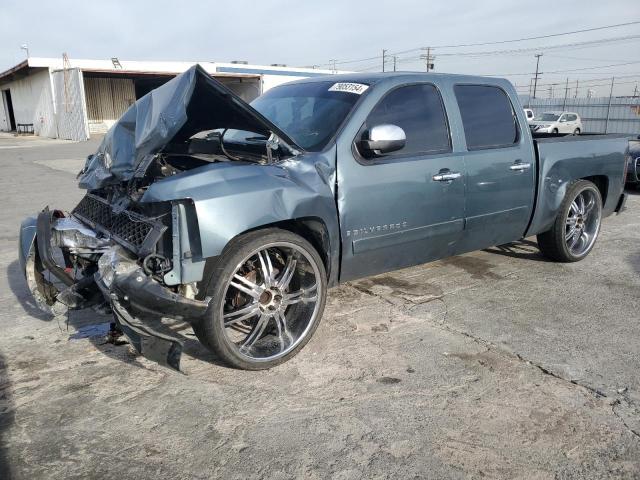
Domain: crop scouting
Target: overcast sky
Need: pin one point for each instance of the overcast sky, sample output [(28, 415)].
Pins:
[(307, 33)]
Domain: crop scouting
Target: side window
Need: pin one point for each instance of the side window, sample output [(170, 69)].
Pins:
[(487, 116), (572, 118), (419, 111)]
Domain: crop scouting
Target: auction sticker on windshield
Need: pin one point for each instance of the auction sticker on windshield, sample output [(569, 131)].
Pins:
[(357, 88)]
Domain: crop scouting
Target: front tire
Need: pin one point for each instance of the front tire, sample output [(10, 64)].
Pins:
[(576, 131), (577, 224), (268, 291), (555, 130)]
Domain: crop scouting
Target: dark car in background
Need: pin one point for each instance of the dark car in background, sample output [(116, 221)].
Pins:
[(633, 165)]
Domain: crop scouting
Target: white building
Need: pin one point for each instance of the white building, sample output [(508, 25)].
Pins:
[(77, 98)]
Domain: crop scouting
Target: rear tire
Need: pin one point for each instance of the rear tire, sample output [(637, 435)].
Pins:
[(555, 130), (576, 226), (576, 131), (268, 291)]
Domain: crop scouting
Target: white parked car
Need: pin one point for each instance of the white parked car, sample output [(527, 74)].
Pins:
[(557, 122), (529, 114)]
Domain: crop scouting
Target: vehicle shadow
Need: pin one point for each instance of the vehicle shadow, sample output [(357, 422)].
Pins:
[(7, 418), (18, 286), (523, 249)]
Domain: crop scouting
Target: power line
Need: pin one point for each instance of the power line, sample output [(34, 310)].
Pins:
[(541, 47), (569, 70), (538, 37), (527, 50), (585, 83)]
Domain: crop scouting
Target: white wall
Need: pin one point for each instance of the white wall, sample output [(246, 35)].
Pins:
[(32, 102), (4, 120)]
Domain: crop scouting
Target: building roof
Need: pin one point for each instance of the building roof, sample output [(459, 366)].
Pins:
[(155, 68)]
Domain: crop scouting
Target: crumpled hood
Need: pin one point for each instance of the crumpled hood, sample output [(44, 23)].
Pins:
[(190, 103)]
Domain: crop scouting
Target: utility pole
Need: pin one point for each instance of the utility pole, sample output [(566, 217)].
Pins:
[(395, 60), (529, 96), (566, 92), (384, 58), (606, 123), (635, 91), (576, 95), (538, 73), (428, 58), (333, 65)]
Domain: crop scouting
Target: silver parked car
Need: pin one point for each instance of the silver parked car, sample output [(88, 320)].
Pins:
[(557, 122)]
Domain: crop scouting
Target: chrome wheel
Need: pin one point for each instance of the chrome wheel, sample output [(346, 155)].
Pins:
[(271, 301), (582, 223)]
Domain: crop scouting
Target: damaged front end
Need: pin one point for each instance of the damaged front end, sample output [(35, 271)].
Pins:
[(136, 245), (114, 261)]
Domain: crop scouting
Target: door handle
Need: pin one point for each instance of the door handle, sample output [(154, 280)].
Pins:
[(519, 166), (446, 176)]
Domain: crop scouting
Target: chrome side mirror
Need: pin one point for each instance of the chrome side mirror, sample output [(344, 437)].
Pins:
[(383, 139)]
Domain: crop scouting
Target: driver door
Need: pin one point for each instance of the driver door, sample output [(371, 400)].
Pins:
[(405, 207)]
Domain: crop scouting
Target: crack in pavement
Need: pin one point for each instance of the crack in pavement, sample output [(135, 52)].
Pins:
[(490, 346)]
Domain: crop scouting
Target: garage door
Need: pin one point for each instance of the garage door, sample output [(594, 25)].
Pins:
[(107, 100)]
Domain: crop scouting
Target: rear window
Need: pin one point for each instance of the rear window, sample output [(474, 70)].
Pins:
[(487, 116)]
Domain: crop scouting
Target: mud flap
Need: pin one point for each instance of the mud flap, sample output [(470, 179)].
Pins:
[(150, 343)]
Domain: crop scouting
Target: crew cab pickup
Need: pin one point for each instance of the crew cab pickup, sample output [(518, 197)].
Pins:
[(237, 218)]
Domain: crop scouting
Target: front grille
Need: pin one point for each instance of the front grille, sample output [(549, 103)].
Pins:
[(131, 229)]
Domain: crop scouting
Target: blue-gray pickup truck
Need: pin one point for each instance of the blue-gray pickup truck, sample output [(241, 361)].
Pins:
[(237, 218)]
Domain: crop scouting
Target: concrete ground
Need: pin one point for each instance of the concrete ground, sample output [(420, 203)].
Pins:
[(496, 364)]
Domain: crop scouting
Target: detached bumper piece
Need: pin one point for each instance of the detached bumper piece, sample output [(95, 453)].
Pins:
[(156, 346), (139, 302)]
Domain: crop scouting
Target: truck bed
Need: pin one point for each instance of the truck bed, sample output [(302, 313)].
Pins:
[(561, 159)]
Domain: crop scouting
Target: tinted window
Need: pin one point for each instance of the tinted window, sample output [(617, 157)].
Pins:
[(487, 116), (549, 117), (419, 111), (310, 113)]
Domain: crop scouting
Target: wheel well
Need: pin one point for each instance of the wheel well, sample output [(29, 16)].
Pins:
[(313, 230), (602, 182)]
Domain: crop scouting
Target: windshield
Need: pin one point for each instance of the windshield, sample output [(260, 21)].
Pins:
[(548, 117), (310, 113)]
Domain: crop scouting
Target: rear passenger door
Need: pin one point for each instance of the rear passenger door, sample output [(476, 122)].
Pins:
[(500, 167)]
